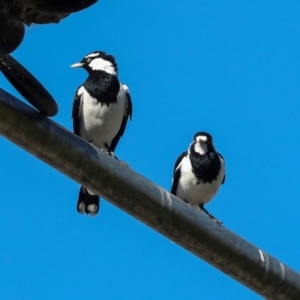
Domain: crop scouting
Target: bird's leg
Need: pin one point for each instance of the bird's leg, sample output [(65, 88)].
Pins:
[(201, 208), (111, 153), (107, 150)]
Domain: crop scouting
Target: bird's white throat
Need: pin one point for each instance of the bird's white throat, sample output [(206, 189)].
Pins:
[(201, 148)]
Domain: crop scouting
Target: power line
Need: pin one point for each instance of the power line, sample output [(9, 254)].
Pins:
[(147, 202)]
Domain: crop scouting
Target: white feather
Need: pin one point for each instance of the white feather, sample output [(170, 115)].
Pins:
[(194, 191), (99, 63), (99, 124)]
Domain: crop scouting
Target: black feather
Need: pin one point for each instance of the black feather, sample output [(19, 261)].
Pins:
[(120, 133), (103, 86), (177, 173), (86, 199), (76, 112), (205, 167)]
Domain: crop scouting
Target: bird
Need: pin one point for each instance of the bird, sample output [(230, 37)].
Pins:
[(198, 173), (101, 108)]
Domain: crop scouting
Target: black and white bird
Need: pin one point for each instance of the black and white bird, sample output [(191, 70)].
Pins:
[(101, 108), (198, 173)]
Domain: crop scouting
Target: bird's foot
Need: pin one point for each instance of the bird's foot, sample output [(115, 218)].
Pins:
[(124, 163), (215, 220), (202, 209), (108, 151), (105, 151)]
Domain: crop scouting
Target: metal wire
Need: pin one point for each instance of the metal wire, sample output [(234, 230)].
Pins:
[(147, 202)]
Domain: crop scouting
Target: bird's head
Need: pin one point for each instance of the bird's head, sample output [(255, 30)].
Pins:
[(203, 143), (98, 61)]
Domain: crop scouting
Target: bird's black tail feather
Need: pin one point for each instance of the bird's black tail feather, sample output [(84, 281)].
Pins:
[(88, 202)]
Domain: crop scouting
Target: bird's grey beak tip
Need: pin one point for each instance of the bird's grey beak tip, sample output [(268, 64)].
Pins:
[(77, 65)]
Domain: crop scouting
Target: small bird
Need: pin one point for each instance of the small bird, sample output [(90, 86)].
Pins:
[(101, 108), (198, 173)]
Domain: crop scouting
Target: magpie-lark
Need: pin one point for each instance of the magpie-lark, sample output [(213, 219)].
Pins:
[(198, 173), (101, 108)]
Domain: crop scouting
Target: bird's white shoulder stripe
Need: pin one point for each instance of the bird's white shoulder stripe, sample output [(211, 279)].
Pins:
[(183, 161), (80, 91), (126, 89)]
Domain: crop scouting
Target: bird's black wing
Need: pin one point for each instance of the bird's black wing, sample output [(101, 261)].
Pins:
[(224, 165), (176, 172), (128, 114), (129, 105), (76, 110)]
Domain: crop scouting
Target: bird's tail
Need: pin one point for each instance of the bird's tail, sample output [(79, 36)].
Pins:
[(88, 202)]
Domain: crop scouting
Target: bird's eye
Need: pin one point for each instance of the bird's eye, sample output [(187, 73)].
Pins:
[(88, 60)]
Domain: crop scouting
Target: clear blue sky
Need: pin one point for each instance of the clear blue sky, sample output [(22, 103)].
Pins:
[(230, 68)]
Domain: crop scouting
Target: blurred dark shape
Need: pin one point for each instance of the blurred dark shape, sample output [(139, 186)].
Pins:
[(42, 11), (11, 34), (14, 14), (28, 86)]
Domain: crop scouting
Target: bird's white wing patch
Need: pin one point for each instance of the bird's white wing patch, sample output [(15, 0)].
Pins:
[(126, 88), (180, 164), (201, 148), (80, 91), (128, 106)]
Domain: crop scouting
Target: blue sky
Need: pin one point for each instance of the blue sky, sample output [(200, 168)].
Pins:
[(230, 68)]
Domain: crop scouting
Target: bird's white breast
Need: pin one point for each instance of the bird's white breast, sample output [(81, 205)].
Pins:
[(194, 191), (99, 124)]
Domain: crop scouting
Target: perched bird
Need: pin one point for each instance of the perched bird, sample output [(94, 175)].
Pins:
[(199, 173), (101, 108)]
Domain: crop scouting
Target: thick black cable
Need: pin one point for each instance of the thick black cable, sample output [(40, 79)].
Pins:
[(146, 201), (28, 86)]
